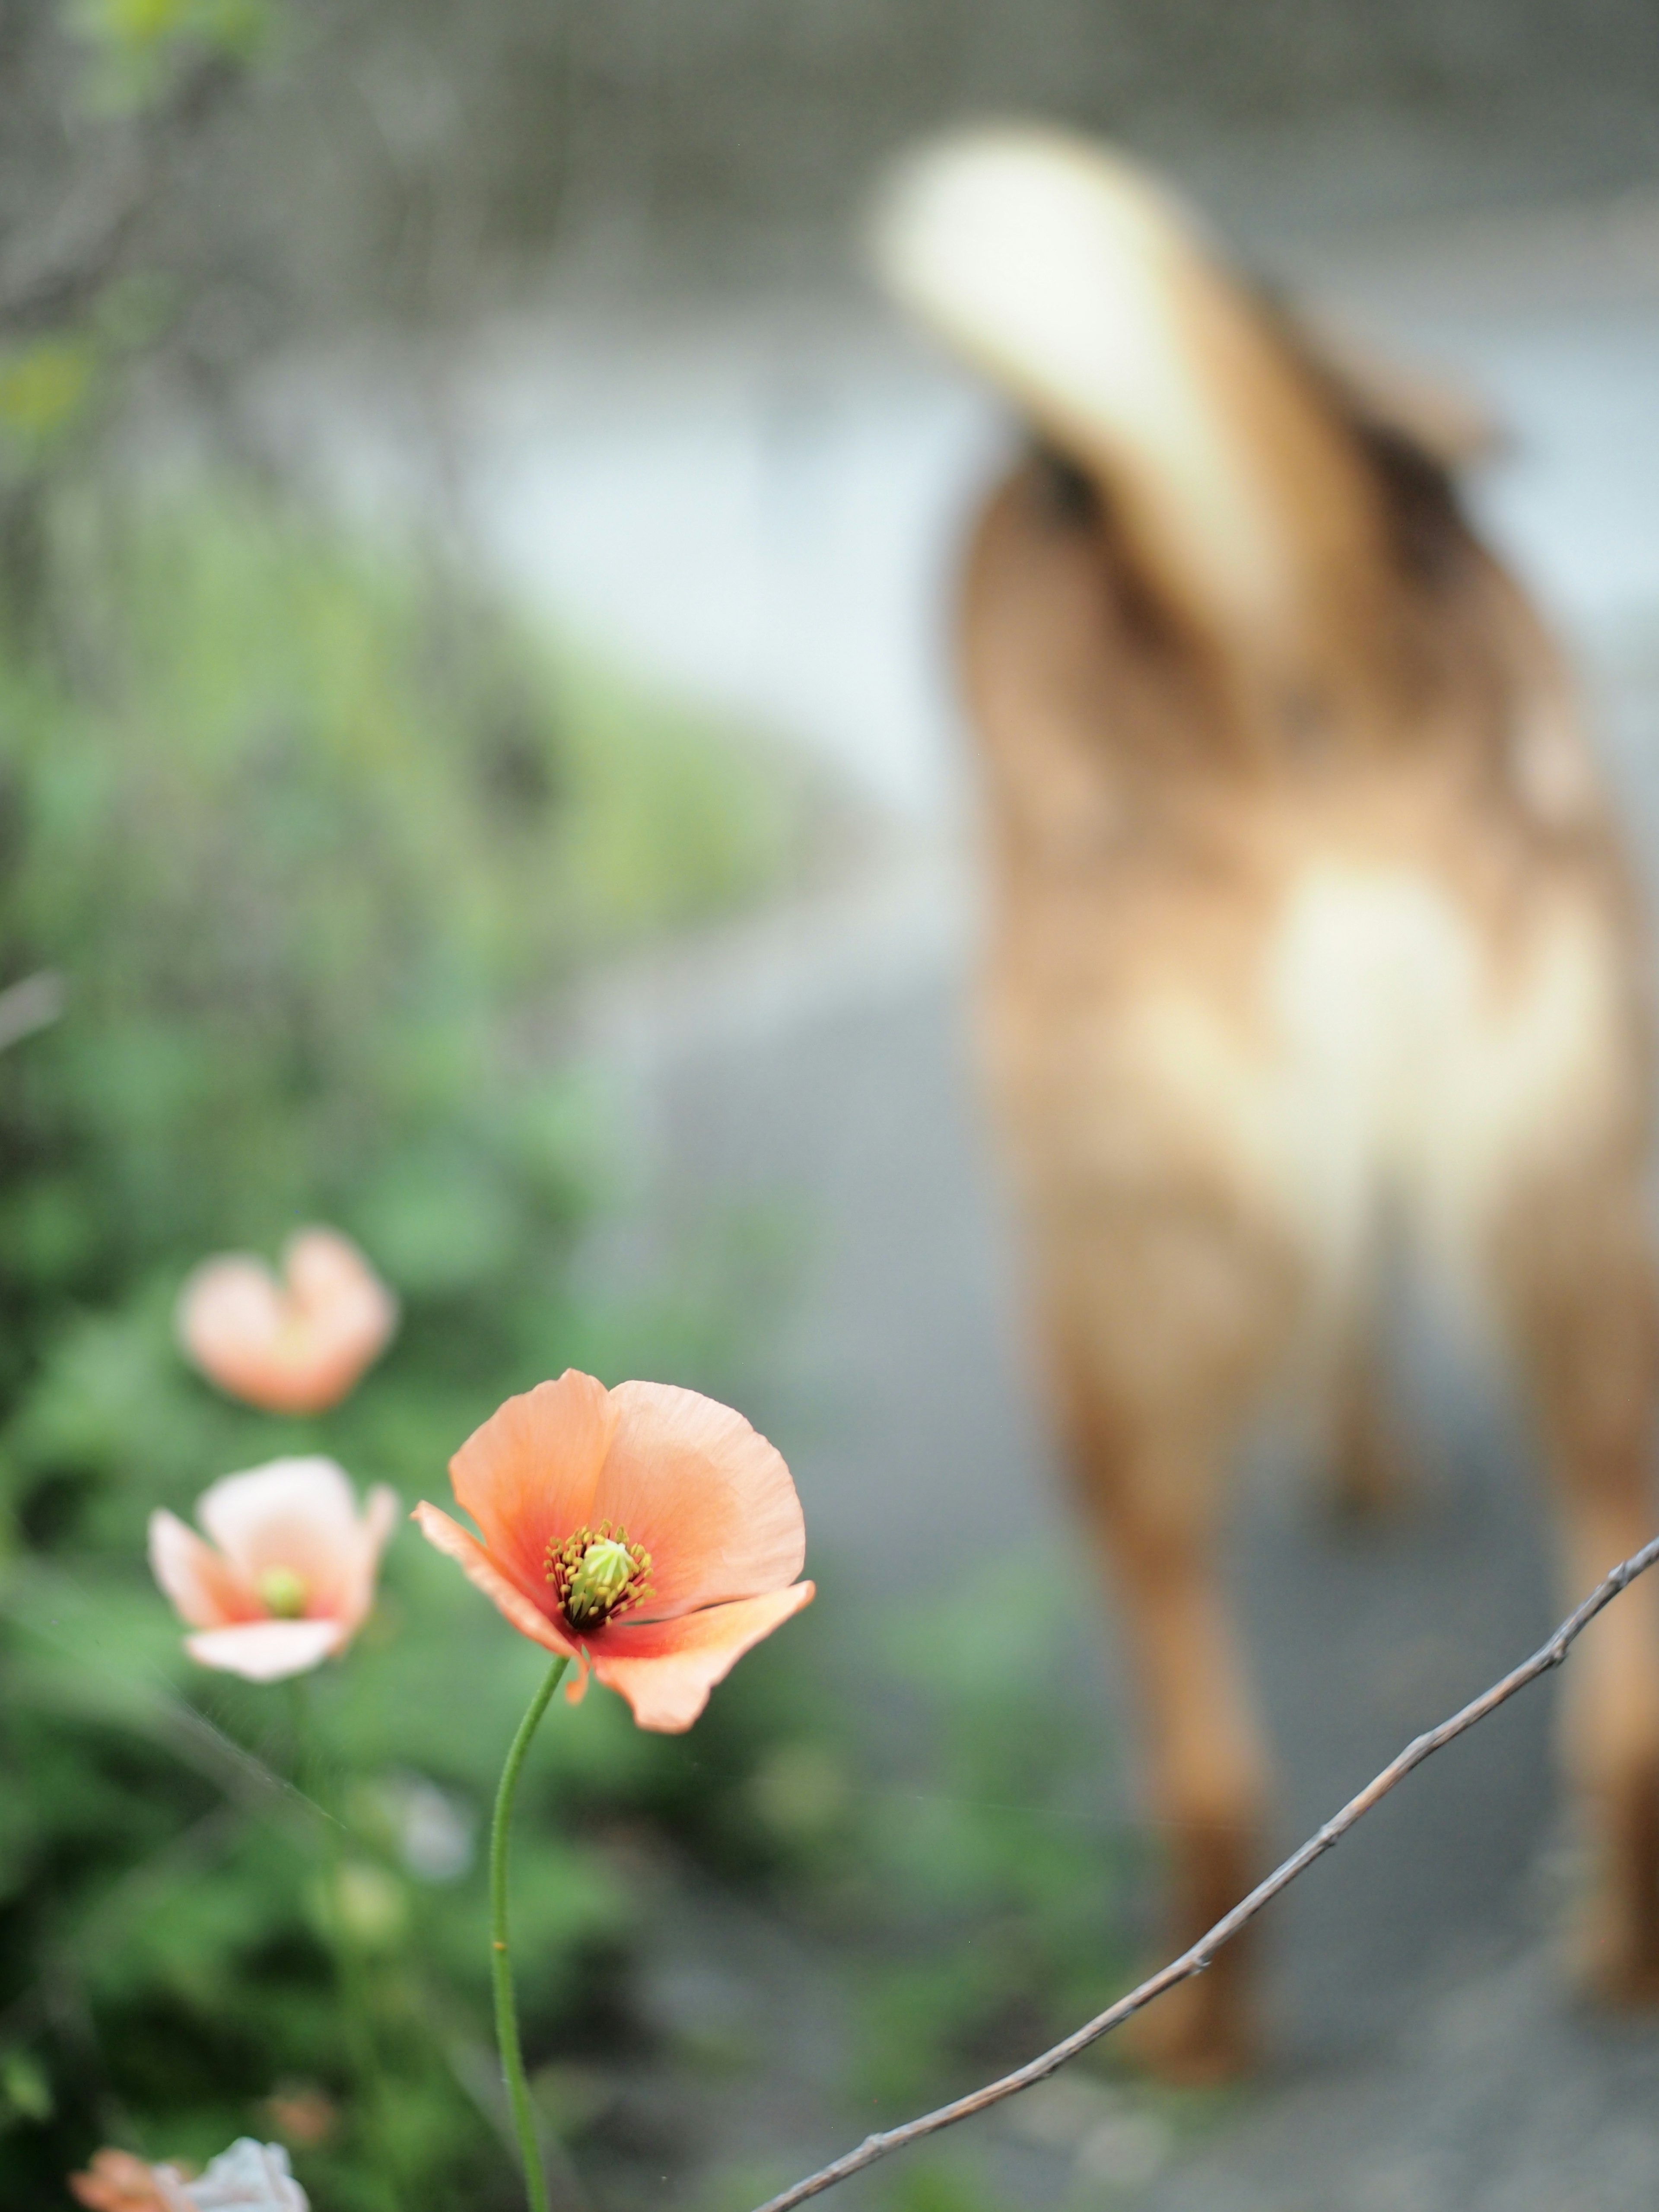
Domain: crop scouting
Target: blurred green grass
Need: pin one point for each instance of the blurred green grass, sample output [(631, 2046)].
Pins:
[(317, 838), (311, 837)]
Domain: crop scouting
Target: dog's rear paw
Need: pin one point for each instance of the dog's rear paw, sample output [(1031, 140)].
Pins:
[(1617, 1965)]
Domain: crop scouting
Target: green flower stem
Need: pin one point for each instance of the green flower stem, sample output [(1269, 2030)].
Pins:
[(501, 1957)]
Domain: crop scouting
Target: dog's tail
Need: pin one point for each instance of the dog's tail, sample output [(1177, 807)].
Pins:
[(1228, 454)]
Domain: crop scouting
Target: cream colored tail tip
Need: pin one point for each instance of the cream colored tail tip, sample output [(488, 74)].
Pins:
[(1069, 277), (1012, 180), (1054, 269), (1011, 241)]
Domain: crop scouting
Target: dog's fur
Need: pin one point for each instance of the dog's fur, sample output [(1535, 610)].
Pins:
[(1308, 919)]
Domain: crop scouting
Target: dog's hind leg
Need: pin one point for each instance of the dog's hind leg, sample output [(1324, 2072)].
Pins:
[(1154, 1327), (1578, 1277)]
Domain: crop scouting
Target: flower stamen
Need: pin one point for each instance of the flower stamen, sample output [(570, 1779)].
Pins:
[(597, 1574), (283, 1592)]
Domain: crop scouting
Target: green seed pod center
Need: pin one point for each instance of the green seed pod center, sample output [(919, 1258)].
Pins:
[(283, 1592), (596, 1574), (600, 1579)]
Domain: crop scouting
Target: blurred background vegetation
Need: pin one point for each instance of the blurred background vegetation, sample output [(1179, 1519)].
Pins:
[(303, 837), (310, 840)]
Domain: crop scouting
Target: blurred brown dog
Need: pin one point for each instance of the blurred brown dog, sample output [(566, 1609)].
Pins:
[(1307, 922)]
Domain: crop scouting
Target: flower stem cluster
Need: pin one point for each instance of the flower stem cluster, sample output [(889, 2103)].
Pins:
[(288, 1576)]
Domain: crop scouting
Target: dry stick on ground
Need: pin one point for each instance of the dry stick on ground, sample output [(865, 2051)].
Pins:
[(1196, 1960)]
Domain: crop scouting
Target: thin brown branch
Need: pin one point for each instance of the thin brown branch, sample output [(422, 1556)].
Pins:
[(1193, 1961)]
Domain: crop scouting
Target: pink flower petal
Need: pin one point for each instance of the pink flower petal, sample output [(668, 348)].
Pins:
[(296, 1346), (527, 1477), (206, 1590), (666, 1669), (300, 1514), (267, 1650), (350, 1313), (710, 1499), (327, 1274), (116, 2181), (230, 1311), (373, 1533), (249, 2177), (480, 1568)]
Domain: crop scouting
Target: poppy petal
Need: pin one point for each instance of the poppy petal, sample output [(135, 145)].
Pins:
[(333, 1285), (115, 2181), (300, 1514), (373, 1533), (267, 1650), (469, 1555), (666, 1669), (293, 1346), (230, 1312), (527, 1476), (205, 1590), (349, 1315), (708, 1497)]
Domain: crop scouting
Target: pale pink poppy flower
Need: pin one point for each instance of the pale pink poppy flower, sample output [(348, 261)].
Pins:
[(644, 1532), (249, 2177), (295, 1345), (289, 1577), (116, 2181)]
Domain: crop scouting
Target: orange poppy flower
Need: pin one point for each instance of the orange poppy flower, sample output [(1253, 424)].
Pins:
[(644, 1532), (293, 1346), (292, 1578)]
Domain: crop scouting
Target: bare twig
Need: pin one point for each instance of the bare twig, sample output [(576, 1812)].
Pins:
[(1200, 1956)]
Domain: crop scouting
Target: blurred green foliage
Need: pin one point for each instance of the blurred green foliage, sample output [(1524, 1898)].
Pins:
[(44, 386), (314, 841), (940, 2185), (1018, 1842), (137, 49), (981, 1877), (960, 1895)]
